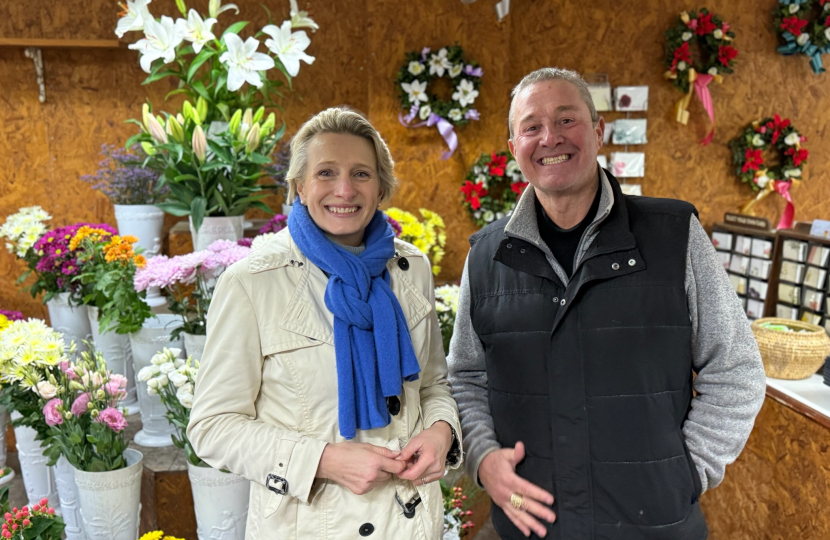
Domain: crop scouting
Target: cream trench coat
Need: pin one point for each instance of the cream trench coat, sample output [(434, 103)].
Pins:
[(266, 398)]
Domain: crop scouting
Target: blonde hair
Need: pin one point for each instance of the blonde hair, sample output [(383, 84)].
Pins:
[(339, 120)]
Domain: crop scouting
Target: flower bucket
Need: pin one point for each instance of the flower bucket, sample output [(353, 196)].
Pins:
[(7, 478), (111, 501), (216, 228), (145, 222), (194, 345), (220, 502), (71, 321), (119, 356), (68, 495), (37, 477), (152, 338)]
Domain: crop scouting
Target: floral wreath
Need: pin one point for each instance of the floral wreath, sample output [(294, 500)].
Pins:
[(714, 37), (747, 155), (413, 80), (804, 25), (492, 187)]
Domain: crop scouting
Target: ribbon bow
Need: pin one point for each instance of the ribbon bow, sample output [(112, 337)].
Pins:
[(699, 84), (782, 187), (810, 49), (444, 128)]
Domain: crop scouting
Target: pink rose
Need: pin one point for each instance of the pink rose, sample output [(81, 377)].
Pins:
[(112, 418), (50, 411), (79, 406)]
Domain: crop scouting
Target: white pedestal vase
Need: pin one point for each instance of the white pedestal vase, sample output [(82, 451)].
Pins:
[(216, 228), (154, 297), (145, 222), (37, 477), (152, 338), (194, 345), (71, 321), (8, 477), (111, 501), (118, 354), (220, 502), (68, 496)]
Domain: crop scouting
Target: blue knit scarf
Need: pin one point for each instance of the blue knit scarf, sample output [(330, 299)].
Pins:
[(372, 344)]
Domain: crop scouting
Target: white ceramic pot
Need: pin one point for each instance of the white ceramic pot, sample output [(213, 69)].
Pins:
[(145, 222), (152, 338), (194, 345), (8, 477), (68, 496), (216, 228), (111, 501), (220, 502), (37, 477), (119, 356), (286, 209), (71, 321), (154, 297)]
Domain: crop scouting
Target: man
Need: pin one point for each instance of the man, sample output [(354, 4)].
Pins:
[(582, 321)]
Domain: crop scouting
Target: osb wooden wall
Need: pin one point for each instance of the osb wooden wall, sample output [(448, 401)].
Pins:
[(359, 47), (778, 487)]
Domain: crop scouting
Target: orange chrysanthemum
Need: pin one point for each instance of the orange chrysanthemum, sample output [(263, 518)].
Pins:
[(139, 261), (86, 232), (118, 250)]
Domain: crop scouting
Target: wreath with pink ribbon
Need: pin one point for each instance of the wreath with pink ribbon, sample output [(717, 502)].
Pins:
[(413, 79), (714, 38)]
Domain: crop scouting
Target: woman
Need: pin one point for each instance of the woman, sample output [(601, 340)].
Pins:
[(324, 377)]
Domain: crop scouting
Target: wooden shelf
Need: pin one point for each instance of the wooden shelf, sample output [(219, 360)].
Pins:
[(61, 43)]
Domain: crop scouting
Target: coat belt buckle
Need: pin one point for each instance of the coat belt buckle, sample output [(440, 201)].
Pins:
[(280, 486), (409, 508)]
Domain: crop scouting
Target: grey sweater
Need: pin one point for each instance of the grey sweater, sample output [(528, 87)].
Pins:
[(730, 382)]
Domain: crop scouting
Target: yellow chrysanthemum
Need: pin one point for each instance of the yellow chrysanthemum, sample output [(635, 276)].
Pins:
[(428, 236), (140, 261), (154, 535), (86, 232), (4, 322)]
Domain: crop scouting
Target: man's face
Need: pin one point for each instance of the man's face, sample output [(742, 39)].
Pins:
[(554, 140)]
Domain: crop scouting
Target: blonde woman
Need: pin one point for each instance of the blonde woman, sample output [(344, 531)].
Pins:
[(324, 378)]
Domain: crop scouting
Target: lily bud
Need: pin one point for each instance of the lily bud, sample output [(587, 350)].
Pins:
[(252, 141), (199, 143), (235, 120), (213, 7), (180, 118), (174, 129), (258, 115), (156, 130), (201, 109), (148, 148), (268, 126), (145, 114), (247, 122), (191, 113), (182, 7)]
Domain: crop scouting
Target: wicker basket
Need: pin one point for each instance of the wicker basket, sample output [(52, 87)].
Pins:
[(791, 355)]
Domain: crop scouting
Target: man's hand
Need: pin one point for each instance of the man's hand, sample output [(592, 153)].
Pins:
[(360, 467), (426, 454), (497, 473)]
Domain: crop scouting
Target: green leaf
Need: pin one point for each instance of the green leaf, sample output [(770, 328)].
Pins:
[(235, 28), (174, 208), (200, 59), (197, 211), (176, 92), (160, 75), (199, 88)]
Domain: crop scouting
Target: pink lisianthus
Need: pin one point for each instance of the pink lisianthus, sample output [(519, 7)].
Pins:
[(79, 407), (116, 387), (112, 418), (50, 412)]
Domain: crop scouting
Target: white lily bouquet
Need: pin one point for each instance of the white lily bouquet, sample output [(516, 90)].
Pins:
[(174, 380)]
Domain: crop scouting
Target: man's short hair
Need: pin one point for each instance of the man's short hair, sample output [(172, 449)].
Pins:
[(553, 74)]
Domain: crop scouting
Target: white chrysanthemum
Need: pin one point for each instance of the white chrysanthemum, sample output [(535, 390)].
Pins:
[(415, 68), (260, 240)]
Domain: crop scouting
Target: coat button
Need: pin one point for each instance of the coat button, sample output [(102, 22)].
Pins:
[(615, 266), (631, 262), (509, 246), (555, 299), (366, 529), (522, 250), (562, 303), (403, 264)]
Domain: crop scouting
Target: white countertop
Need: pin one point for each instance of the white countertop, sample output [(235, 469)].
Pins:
[(811, 392)]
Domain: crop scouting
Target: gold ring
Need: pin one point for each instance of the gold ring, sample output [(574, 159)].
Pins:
[(516, 501)]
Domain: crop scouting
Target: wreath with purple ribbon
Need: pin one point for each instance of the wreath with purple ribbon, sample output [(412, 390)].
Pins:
[(413, 81)]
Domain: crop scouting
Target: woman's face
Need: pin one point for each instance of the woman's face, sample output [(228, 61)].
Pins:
[(341, 187)]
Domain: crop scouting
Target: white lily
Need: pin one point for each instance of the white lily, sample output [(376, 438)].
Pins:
[(300, 19), (288, 46), (439, 62), (465, 93), (455, 71), (215, 7), (160, 41), (195, 30), (135, 15), (244, 63), (416, 90)]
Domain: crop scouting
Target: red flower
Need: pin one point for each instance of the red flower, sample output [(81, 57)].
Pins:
[(518, 187), (793, 25), (472, 193), (726, 53), (753, 160), (705, 25), (681, 54), (777, 125), (497, 165), (799, 155), (827, 21)]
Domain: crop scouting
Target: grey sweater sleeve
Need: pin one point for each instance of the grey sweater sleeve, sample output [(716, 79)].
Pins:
[(730, 383), (468, 376)]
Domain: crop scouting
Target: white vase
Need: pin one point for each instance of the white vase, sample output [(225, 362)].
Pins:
[(286, 209), (111, 501), (71, 321), (37, 477), (68, 496), (194, 345), (216, 228), (154, 297), (119, 356), (152, 338), (5, 479), (220, 502), (145, 222)]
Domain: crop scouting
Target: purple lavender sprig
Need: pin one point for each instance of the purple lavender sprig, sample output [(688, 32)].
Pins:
[(122, 178), (279, 168)]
